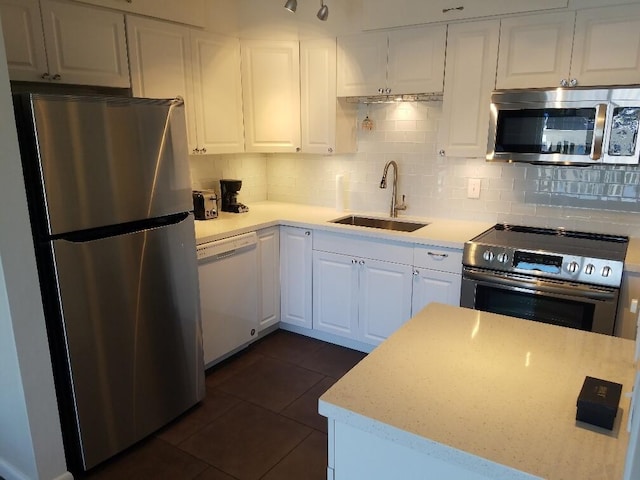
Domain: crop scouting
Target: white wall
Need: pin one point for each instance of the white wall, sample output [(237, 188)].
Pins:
[(30, 438)]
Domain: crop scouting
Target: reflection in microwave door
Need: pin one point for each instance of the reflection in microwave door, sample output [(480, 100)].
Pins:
[(624, 131)]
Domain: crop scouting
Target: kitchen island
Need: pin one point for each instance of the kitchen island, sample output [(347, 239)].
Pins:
[(464, 394)]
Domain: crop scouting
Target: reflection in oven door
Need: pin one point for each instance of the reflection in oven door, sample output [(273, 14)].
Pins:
[(579, 306)]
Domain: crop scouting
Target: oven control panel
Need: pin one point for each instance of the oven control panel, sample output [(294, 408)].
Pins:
[(595, 271)]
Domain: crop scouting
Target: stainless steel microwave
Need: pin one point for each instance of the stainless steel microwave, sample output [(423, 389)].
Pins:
[(565, 126)]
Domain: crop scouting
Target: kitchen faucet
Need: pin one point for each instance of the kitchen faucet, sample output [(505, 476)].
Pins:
[(394, 193)]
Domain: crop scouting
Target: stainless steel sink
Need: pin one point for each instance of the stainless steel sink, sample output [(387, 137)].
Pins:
[(383, 223)]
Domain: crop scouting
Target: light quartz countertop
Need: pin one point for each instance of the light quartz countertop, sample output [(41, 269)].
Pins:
[(439, 232), (486, 392)]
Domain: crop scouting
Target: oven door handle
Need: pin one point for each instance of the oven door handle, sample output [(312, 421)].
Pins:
[(541, 286)]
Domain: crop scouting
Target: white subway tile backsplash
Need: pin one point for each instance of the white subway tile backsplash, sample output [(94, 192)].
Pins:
[(598, 198)]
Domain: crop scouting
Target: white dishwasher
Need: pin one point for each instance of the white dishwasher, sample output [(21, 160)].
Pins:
[(227, 270)]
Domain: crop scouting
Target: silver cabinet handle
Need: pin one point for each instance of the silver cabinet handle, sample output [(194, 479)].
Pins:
[(380, 91), (438, 255), (573, 82), (330, 150), (442, 153), (416, 272), (387, 91), (45, 76), (353, 261), (204, 150), (452, 9), (196, 150), (361, 262), (598, 131), (307, 233), (56, 77), (564, 83)]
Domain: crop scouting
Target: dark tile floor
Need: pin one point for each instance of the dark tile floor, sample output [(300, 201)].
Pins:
[(259, 419)]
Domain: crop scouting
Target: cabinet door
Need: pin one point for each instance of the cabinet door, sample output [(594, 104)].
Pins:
[(362, 64), (85, 46), (318, 95), (384, 299), (269, 277), (24, 40), (160, 56), (434, 286), (416, 60), (295, 276), (535, 51), (606, 46), (335, 294), (218, 93), (386, 14), (191, 12), (271, 95), (472, 53)]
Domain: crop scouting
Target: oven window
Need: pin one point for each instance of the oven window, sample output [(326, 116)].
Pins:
[(545, 130), (541, 308)]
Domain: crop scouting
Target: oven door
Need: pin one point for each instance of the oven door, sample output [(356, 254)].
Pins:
[(584, 307)]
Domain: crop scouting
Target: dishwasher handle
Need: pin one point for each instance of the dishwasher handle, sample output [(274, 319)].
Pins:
[(227, 247)]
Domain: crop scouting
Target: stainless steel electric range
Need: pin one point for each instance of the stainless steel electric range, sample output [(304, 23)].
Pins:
[(554, 276)]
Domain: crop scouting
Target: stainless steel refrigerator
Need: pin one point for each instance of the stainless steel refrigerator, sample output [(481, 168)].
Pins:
[(109, 195)]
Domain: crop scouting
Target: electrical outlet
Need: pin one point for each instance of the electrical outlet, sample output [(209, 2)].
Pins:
[(473, 188)]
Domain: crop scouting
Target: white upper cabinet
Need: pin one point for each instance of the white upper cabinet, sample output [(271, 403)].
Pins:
[(170, 60), (396, 62), (217, 93), (160, 56), (23, 39), (191, 12), (362, 64), (535, 51), (472, 53), (271, 95), (327, 126), (416, 59), (65, 43), (606, 46), (386, 14), (542, 51), (85, 45)]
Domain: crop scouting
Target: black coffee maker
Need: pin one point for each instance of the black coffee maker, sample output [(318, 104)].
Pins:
[(229, 192)]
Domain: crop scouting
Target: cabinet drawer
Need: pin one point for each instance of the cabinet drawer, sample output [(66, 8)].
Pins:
[(379, 249), (438, 258)]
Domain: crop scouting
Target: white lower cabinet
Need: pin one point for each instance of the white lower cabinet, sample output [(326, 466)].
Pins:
[(361, 288), (295, 276), (384, 299), (268, 277), (437, 276)]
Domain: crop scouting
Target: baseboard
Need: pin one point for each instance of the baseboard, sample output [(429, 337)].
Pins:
[(328, 337), (9, 472)]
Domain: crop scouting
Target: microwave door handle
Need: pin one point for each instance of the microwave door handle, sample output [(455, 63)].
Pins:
[(598, 131)]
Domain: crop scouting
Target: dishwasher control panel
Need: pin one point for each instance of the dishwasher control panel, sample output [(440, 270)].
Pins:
[(226, 246)]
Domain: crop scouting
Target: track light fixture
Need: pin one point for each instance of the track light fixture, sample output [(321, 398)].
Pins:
[(323, 13), (291, 5)]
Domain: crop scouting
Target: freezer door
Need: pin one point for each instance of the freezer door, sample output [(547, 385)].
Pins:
[(108, 160), (130, 313)]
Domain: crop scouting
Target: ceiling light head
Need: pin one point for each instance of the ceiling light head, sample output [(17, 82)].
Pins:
[(323, 13), (291, 5)]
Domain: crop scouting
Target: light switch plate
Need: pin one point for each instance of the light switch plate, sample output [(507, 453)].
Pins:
[(473, 188)]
